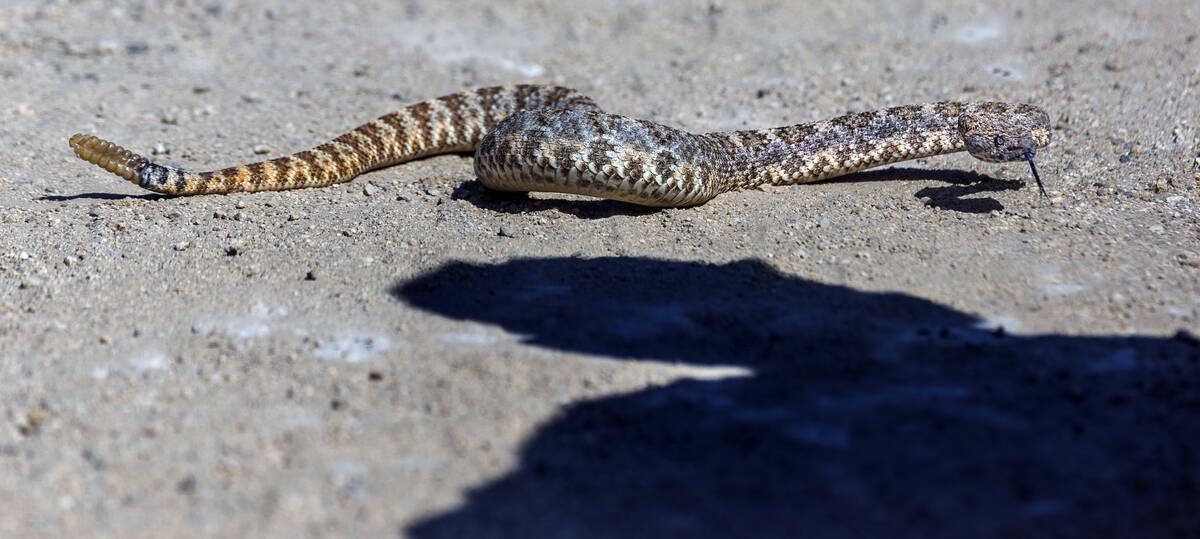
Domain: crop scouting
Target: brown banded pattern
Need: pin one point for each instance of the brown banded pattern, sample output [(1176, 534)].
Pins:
[(549, 138)]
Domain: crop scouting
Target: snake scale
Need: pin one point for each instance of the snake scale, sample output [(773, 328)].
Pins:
[(548, 138)]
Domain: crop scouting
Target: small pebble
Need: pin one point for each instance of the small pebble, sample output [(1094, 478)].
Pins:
[(136, 47), (369, 189), (261, 149), (187, 485), (504, 232)]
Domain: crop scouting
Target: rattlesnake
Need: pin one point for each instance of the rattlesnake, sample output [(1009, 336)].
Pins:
[(547, 138)]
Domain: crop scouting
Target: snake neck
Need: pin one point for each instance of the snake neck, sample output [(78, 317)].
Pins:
[(816, 151)]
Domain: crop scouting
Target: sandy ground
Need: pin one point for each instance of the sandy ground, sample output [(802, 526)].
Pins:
[(926, 351)]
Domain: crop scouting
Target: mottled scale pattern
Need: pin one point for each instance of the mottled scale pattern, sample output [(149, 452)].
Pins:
[(547, 138)]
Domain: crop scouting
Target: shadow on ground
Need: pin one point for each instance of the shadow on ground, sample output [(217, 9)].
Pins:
[(102, 196), (961, 194), (868, 414), (521, 203)]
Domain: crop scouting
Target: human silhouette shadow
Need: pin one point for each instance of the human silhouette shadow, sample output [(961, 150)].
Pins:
[(867, 414)]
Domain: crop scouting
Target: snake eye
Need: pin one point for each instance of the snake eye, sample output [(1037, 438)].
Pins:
[(1000, 141)]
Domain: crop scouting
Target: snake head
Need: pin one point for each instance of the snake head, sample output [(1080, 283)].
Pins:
[(999, 132)]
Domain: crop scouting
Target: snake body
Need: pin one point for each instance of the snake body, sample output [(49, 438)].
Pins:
[(548, 138)]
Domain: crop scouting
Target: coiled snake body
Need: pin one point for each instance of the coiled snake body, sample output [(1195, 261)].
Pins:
[(545, 138)]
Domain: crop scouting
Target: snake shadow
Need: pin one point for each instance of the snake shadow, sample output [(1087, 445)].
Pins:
[(521, 203), (866, 414), (103, 196), (959, 195)]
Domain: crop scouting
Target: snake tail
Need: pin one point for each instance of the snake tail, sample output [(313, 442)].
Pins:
[(451, 123)]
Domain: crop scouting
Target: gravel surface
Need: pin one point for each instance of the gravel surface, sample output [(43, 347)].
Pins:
[(931, 350)]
